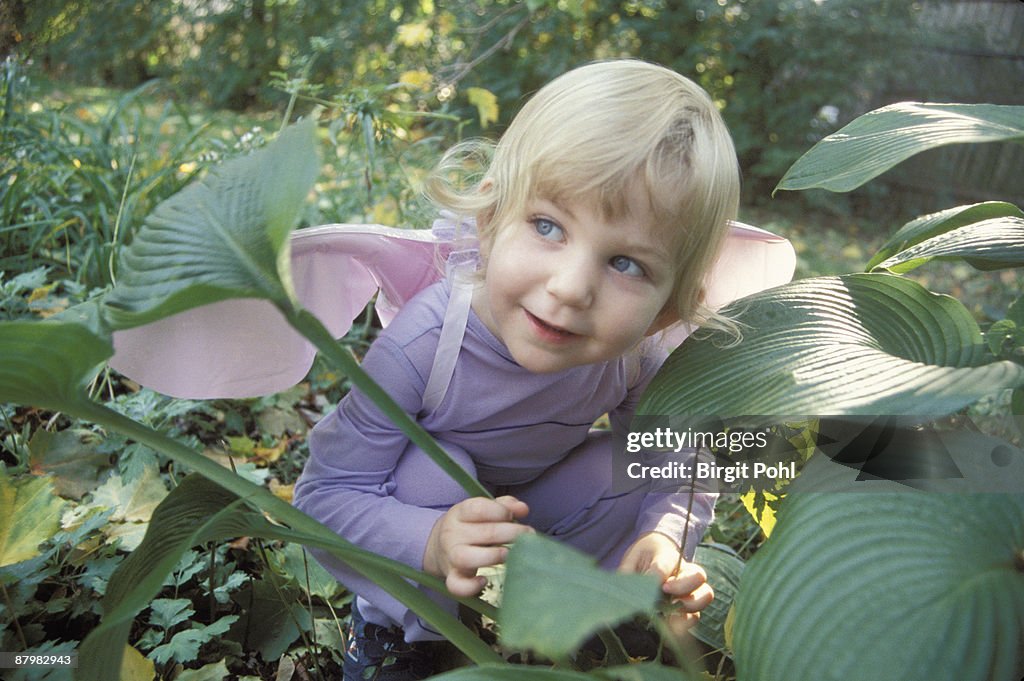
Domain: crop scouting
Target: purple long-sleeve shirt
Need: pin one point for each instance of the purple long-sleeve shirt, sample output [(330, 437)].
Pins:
[(513, 424)]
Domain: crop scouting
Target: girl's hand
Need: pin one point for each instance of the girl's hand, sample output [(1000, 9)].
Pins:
[(472, 534), (656, 554)]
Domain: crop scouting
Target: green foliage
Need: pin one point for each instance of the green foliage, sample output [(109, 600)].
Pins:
[(785, 73), (541, 570), (75, 178), (869, 580), (886, 585)]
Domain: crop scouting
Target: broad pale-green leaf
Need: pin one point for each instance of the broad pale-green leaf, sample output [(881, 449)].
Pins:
[(889, 585), (542, 573), (875, 142), (29, 515), (225, 236), (857, 344), (987, 245), (933, 225)]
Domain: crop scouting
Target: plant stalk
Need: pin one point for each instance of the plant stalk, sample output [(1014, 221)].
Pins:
[(317, 534)]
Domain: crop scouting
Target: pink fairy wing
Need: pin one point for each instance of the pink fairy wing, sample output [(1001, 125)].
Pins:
[(245, 348), (752, 260)]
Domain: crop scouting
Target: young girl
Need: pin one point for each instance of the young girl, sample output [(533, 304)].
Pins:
[(600, 212)]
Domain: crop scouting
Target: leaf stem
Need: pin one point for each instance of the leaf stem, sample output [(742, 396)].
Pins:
[(366, 563)]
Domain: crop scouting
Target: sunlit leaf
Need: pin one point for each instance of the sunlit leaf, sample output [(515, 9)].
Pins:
[(899, 585), (29, 515), (136, 667), (486, 104), (541, 572), (987, 245), (215, 671), (877, 141), (935, 224), (222, 237), (857, 344), (134, 501)]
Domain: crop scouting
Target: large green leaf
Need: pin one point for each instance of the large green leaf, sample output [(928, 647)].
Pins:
[(542, 574), (988, 245), (936, 224), (888, 585), (49, 363), (223, 237), (877, 141), (857, 344)]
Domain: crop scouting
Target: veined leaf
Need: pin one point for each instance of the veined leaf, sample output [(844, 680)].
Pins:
[(842, 587), (542, 572), (936, 224), (223, 237), (857, 344), (987, 245), (877, 141), (29, 515)]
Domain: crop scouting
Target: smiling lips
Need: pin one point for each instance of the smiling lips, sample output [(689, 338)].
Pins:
[(548, 332)]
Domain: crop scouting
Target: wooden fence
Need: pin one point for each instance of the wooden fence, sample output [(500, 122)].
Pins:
[(969, 51)]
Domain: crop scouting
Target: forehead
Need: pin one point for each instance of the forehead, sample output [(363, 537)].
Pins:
[(619, 203)]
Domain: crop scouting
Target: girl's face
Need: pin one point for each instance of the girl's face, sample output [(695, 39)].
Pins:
[(565, 286)]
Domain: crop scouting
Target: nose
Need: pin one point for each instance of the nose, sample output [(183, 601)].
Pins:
[(573, 282)]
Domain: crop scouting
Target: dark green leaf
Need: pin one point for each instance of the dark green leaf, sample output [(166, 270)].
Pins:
[(841, 586), (542, 572), (724, 569), (223, 237), (858, 344), (877, 141)]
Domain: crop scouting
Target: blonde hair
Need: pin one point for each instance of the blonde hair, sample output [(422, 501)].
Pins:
[(610, 132)]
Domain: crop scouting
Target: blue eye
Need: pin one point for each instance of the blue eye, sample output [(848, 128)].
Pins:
[(621, 263), (547, 229)]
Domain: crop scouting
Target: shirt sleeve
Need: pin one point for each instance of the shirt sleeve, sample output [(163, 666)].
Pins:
[(664, 512), (348, 482)]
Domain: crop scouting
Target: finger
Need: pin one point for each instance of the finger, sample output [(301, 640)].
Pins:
[(680, 623), (697, 600), (519, 509), (460, 584), (492, 534), (480, 510), (687, 579), (466, 558)]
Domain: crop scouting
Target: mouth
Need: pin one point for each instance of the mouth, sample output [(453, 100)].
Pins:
[(547, 331)]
